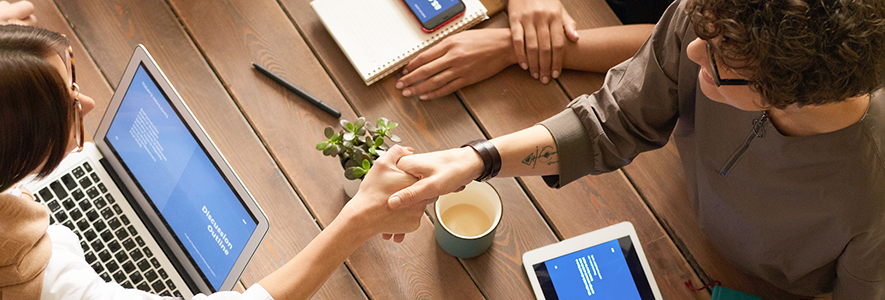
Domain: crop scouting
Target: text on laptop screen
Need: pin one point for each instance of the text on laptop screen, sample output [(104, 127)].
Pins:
[(606, 271), (175, 174)]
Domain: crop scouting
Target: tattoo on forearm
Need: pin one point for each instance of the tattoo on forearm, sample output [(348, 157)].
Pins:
[(545, 155)]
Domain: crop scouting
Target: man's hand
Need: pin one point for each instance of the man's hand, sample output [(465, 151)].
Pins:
[(538, 29), (438, 173), (21, 13), (458, 61)]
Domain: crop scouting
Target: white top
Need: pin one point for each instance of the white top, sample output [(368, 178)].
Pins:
[(69, 276)]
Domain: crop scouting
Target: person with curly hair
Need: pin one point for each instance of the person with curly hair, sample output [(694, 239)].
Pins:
[(778, 113)]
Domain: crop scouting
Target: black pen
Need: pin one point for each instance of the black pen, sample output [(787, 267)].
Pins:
[(298, 91)]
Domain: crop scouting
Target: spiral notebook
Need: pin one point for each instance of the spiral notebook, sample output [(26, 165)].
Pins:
[(380, 36)]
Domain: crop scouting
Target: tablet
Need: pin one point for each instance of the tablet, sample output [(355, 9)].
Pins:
[(603, 264)]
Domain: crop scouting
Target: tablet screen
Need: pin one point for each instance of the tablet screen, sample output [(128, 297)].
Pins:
[(610, 270)]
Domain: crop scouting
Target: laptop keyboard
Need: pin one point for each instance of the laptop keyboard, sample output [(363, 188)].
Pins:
[(114, 249)]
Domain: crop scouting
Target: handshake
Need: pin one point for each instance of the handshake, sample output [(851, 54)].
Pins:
[(395, 192)]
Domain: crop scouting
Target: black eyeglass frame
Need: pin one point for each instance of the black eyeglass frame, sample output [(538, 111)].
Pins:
[(716, 79)]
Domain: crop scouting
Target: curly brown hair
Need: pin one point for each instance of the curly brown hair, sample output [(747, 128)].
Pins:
[(796, 51)]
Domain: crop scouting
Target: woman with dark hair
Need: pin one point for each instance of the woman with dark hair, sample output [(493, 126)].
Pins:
[(778, 113), (41, 111)]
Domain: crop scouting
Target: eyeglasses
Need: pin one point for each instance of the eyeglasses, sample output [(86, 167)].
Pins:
[(716, 79), (79, 132)]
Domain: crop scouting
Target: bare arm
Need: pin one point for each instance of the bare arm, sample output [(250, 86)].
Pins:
[(528, 152), (364, 216), (474, 55)]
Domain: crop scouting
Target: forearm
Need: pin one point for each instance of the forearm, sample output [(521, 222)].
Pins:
[(303, 275), (599, 49)]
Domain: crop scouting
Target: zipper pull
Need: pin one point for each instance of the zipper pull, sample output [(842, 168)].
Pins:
[(758, 131)]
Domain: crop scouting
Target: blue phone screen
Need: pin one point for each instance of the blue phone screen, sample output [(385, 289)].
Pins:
[(427, 9)]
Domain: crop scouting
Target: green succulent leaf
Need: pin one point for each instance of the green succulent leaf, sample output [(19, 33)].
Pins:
[(322, 145), (395, 138), (328, 132), (350, 173), (366, 164), (349, 136)]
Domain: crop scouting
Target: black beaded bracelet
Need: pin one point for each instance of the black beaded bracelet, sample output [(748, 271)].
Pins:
[(491, 159)]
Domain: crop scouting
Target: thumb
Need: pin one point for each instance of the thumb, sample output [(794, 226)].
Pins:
[(412, 194), (570, 26)]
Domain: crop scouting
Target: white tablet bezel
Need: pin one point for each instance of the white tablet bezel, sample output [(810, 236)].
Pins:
[(584, 241)]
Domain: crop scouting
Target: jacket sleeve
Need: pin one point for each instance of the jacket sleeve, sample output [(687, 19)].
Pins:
[(635, 111)]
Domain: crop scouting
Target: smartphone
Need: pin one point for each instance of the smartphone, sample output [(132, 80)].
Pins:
[(433, 14)]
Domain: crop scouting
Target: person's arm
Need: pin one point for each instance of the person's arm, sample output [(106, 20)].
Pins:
[(364, 216), (860, 269), (21, 13), (531, 151), (474, 55)]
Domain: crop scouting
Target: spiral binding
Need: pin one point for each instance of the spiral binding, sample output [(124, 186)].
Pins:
[(393, 65)]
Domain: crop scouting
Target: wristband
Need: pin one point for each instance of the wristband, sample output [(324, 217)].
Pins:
[(491, 159)]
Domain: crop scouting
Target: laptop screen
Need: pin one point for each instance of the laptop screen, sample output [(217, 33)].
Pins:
[(174, 172)]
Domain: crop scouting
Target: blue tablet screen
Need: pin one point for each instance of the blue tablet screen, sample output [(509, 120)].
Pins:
[(611, 270)]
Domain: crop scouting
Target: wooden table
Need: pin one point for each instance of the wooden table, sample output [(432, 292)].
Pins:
[(205, 47)]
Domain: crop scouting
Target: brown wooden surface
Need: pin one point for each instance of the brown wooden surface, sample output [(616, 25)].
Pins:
[(206, 48)]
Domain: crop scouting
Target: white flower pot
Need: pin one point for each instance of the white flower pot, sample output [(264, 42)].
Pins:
[(351, 187)]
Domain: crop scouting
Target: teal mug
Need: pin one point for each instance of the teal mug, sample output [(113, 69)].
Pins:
[(466, 221)]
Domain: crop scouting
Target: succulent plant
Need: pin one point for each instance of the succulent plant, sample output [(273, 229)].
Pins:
[(358, 144)]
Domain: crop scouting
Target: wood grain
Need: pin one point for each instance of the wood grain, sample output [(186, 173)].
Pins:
[(111, 29), (259, 30), (435, 125)]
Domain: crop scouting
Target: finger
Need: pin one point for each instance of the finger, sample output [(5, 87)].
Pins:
[(392, 155), (386, 236), (21, 10), (399, 237), (544, 52), (557, 43), (427, 56), (423, 74), (449, 88), (516, 34), (433, 84), (570, 26), (531, 50), (423, 189)]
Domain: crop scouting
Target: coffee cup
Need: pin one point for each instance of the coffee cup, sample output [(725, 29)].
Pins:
[(466, 221)]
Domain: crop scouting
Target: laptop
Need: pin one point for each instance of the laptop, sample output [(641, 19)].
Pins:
[(604, 264), (155, 204)]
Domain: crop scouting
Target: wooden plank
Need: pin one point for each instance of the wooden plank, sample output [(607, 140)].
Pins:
[(435, 125), (658, 177), (590, 203), (231, 33), (90, 79), (112, 28)]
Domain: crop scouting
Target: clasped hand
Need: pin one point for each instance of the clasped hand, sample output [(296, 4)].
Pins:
[(21, 13)]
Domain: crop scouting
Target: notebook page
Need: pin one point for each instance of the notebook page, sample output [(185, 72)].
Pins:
[(376, 35)]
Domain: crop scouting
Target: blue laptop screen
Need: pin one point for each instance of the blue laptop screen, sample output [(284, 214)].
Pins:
[(175, 174)]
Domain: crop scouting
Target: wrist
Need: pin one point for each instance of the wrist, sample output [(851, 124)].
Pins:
[(472, 162), (355, 222), (488, 153)]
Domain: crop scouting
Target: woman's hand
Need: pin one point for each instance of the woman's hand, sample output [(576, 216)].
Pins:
[(21, 13), (458, 61), (539, 29), (438, 173), (369, 210)]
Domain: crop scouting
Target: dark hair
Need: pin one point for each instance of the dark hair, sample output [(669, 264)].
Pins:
[(36, 111), (797, 51)]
